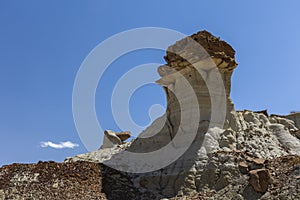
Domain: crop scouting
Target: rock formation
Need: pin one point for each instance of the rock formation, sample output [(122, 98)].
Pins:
[(111, 138), (224, 153), (208, 162), (200, 66)]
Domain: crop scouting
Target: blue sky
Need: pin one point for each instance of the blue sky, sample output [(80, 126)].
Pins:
[(43, 43)]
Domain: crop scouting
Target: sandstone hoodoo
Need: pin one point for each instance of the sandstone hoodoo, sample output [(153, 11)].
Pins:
[(111, 138), (227, 147), (224, 153), (201, 59)]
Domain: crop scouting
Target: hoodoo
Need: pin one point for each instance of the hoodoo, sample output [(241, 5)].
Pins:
[(215, 137), (201, 148)]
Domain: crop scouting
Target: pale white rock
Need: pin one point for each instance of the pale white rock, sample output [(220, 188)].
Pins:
[(55, 185), (285, 138), (210, 142), (2, 195), (264, 119), (251, 118), (295, 117), (110, 139), (288, 124), (98, 156)]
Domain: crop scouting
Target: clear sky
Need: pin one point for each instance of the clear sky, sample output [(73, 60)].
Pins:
[(43, 43)]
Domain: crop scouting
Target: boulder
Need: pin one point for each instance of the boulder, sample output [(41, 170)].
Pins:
[(243, 167), (110, 139), (257, 163), (260, 179), (123, 135)]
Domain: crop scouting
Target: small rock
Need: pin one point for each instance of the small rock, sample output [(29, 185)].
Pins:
[(238, 197), (55, 185), (243, 167), (260, 179), (110, 139), (257, 163), (2, 194), (249, 159), (124, 135)]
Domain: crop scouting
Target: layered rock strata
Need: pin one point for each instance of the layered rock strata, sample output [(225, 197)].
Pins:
[(207, 63), (197, 76), (223, 153), (197, 83)]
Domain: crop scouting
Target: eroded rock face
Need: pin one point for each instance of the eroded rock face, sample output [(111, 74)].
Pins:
[(211, 163), (197, 81), (85, 180), (201, 59), (234, 156)]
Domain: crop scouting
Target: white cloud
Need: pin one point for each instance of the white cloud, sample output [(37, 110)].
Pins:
[(61, 145)]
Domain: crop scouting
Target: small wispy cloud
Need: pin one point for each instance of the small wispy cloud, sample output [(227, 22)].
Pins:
[(61, 145)]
